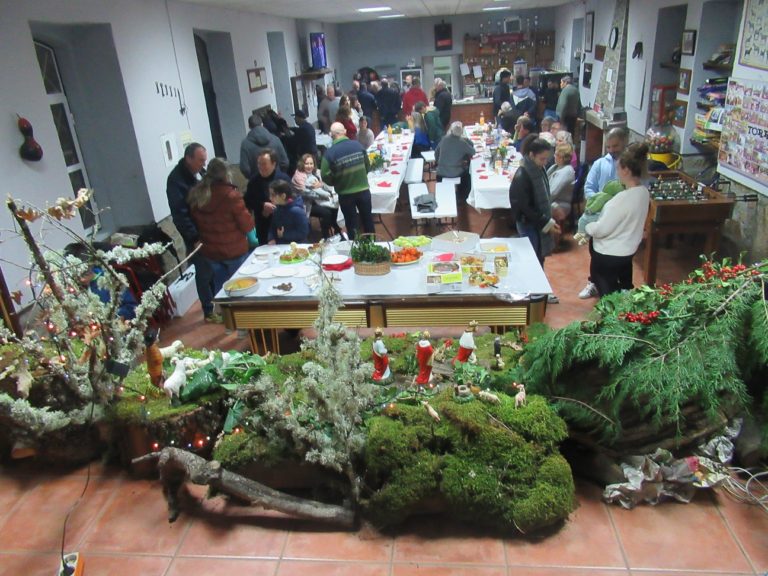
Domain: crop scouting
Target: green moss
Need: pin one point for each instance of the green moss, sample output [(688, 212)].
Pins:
[(236, 451)]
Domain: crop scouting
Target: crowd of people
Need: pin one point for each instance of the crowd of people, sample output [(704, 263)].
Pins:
[(290, 180)]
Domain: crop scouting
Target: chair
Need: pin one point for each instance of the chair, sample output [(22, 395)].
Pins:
[(415, 171), (445, 196), (429, 159), (578, 194)]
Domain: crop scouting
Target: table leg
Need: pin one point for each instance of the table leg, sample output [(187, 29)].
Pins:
[(651, 255), (488, 223), (381, 221), (253, 341)]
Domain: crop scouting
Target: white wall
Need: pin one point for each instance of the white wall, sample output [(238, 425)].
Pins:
[(145, 53), (565, 45)]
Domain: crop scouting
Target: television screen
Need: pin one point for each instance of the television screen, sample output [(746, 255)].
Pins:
[(317, 49)]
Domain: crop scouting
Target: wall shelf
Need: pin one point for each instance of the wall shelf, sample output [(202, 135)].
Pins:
[(669, 65), (314, 74), (718, 66)]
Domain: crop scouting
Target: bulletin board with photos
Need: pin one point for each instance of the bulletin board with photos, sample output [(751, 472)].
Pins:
[(743, 154)]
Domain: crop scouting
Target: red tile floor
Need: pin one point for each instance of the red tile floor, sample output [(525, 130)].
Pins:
[(120, 526)]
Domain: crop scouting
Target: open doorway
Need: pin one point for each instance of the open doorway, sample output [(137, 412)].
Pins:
[(577, 44), (280, 78), (210, 96), (666, 57)]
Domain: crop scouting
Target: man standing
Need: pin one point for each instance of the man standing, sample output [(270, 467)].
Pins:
[(501, 92), (257, 194), (304, 138), (414, 95), (443, 102), (568, 104), (603, 171), (388, 102), (258, 139), (345, 167), (367, 100), (328, 108), (181, 179)]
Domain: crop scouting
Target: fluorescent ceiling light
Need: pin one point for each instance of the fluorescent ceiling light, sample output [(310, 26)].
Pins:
[(494, 8), (375, 9), (392, 16)]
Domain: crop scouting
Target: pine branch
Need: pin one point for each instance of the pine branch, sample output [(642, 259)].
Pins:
[(621, 336)]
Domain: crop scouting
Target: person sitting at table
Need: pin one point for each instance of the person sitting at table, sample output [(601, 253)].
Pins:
[(289, 222), (420, 136), (546, 125), (345, 166), (307, 182), (452, 155), (257, 194), (523, 127), (507, 117), (432, 121), (364, 134), (344, 116), (225, 225), (530, 200), (564, 137), (561, 176)]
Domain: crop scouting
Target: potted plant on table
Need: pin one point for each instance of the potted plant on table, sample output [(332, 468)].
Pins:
[(369, 258)]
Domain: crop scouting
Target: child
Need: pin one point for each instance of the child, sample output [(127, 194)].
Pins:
[(289, 221), (594, 207)]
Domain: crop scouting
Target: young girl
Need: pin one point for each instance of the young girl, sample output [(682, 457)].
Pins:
[(618, 232), (289, 221)]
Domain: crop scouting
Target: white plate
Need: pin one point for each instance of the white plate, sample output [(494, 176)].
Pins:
[(265, 274), (304, 271), (251, 268), (275, 292), (285, 271), (268, 249), (335, 259)]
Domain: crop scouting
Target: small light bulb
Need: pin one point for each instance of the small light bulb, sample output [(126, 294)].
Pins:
[(155, 446)]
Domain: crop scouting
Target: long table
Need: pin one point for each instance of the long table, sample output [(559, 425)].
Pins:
[(398, 299)]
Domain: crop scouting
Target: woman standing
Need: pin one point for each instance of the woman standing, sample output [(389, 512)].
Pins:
[(529, 197), (344, 115), (306, 181), (365, 134), (618, 232), (225, 225)]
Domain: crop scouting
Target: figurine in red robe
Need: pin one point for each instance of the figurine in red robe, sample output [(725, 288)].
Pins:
[(381, 369), (467, 346), (424, 355)]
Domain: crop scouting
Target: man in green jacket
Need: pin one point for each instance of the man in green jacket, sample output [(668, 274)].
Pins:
[(345, 166), (568, 104)]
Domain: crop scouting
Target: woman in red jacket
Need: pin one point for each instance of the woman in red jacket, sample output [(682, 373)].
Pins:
[(344, 115), (225, 225)]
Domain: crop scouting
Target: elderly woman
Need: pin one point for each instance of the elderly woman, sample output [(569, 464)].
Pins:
[(564, 137), (306, 181), (452, 155), (225, 225)]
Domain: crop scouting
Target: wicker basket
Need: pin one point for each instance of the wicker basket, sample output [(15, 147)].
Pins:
[(369, 268)]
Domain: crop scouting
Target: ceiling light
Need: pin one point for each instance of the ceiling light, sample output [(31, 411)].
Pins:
[(392, 16), (495, 8), (375, 9)]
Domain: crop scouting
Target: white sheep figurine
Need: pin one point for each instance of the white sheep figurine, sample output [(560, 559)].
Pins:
[(489, 397), (176, 381), (520, 396), (431, 411), (172, 350)]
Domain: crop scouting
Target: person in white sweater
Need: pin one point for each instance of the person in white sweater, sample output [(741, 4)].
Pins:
[(618, 232)]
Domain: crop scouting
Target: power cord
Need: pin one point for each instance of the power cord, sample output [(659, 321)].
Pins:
[(748, 491)]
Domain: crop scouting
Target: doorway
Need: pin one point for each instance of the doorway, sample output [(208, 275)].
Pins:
[(210, 96), (280, 78), (577, 47)]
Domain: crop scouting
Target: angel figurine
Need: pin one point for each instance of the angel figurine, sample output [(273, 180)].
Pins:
[(424, 355), (467, 346), (381, 369)]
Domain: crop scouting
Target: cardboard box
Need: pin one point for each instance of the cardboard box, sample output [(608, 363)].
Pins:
[(184, 292)]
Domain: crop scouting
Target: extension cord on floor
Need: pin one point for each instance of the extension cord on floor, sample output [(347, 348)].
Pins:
[(71, 565)]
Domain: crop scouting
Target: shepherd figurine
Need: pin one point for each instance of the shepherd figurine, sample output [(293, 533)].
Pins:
[(381, 369), (467, 346), (425, 354)]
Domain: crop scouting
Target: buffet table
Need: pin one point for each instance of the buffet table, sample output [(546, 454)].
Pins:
[(398, 299)]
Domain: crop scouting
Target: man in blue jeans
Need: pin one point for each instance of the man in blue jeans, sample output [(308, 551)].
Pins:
[(186, 174)]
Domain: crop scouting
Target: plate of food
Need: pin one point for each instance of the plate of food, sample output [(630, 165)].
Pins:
[(445, 267), (493, 247), (242, 286), (294, 254), (281, 289), (420, 242), (484, 279), (471, 260), (406, 256)]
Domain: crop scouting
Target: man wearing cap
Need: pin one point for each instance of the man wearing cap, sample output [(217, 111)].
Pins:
[(304, 137)]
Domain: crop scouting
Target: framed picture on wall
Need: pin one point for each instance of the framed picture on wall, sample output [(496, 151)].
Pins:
[(688, 47), (684, 81), (754, 49), (680, 111), (589, 31), (257, 79)]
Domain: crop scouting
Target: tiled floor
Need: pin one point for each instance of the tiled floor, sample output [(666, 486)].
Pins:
[(120, 526)]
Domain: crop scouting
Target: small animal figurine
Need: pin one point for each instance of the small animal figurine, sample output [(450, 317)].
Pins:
[(172, 350), (489, 397), (154, 358), (520, 396), (176, 381), (499, 362), (431, 411)]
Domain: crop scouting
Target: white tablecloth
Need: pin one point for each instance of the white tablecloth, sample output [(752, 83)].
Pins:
[(385, 187), (489, 189), (525, 277)]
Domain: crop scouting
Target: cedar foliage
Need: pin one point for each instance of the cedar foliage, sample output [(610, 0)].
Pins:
[(710, 333)]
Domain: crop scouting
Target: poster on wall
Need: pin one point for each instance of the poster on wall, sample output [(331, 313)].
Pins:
[(743, 154), (754, 33)]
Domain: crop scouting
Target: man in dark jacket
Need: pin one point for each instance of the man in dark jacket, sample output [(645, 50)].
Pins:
[(181, 179), (257, 140), (257, 193), (443, 102), (367, 100), (388, 102), (304, 137), (569, 104), (501, 92)]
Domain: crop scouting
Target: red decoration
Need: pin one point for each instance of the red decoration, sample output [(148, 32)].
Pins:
[(30, 150)]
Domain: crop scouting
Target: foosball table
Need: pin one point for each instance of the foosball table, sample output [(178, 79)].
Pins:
[(680, 205)]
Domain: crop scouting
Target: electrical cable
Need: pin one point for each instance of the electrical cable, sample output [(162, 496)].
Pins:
[(750, 491), (183, 103)]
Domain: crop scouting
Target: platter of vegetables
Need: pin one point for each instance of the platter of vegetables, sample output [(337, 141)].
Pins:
[(406, 256)]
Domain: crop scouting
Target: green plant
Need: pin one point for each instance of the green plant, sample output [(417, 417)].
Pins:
[(365, 249)]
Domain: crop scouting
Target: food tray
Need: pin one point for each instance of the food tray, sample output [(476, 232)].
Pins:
[(455, 242)]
